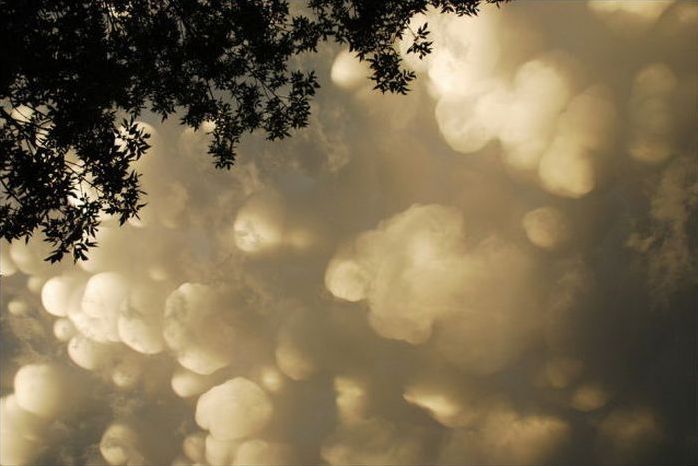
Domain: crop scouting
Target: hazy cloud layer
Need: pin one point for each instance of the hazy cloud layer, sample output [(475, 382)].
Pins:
[(499, 268)]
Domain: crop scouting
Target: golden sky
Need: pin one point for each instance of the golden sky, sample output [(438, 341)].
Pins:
[(498, 268)]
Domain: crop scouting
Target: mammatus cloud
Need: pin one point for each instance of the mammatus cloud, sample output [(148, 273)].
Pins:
[(499, 268), (417, 272), (628, 17), (234, 409), (120, 445), (652, 120), (549, 126), (507, 438), (546, 227), (627, 434), (397, 267), (671, 254)]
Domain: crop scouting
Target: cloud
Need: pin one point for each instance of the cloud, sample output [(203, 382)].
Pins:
[(235, 409), (416, 272), (546, 227), (652, 119), (120, 445), (450, 405), (348, 72), (407, 270), (43, 390), (589, 397), (436, 278), (541, 124), (21, 433), (372, 441), (665, 246), (192, 329), (101, 302), (629, 17), (260, 452), (507, 438), (90, 354), (569, 166), (186, 383), (59, 294), (194, 447), (628, 434), (63, 329), (220, 452)]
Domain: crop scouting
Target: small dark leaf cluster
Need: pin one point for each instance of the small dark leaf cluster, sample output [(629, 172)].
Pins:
[(73, 68)]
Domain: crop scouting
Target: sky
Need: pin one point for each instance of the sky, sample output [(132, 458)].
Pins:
[(498, 268)]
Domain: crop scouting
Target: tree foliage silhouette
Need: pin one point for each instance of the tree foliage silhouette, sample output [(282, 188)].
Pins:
[(76, 74)]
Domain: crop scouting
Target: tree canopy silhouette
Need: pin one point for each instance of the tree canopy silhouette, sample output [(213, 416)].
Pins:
[(76, 74)]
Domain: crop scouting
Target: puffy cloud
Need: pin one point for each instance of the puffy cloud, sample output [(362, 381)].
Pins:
[(293, 361), (44, 390), (651, 116), (9, 267), (98, 314), (142, 335), (259, 224), (542, 126), (267, 224), (500, 315), (104, 294), (271, 379), (120, 445), (449, 406), (572, 285), (140, 320), (103, 259), (186, 383), (22, 433), (347, 279), (317, 316), (476, 102), (220, 452), (298, 344), (629, 17), (127, 372), (233, 410), (546, 227), (628, 435), (63, 329), (589, 397), (507, 437), (18, 307), (60, 294), (560, 371), (348, 72), (670, 258), (466, 51), (43, 394), (541, 89), (411, 266), (568, 167), (194, 447), (90, 354), (260, 452), (351, 399), (29, 259), (373, 441), (469, 123), (193, 329), (415, 270)]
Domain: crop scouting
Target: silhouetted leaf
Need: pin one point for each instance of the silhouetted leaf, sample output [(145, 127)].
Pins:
[(69, 66)]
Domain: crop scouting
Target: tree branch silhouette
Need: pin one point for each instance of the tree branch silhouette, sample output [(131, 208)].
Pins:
[(77, 64)]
